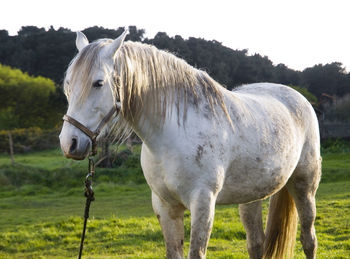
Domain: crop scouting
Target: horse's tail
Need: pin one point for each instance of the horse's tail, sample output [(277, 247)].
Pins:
[(281, 226)]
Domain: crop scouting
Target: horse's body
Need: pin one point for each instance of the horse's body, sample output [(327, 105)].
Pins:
[(240, 147), (260, 153)]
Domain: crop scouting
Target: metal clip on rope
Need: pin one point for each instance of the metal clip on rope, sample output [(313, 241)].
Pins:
[(89, 193)]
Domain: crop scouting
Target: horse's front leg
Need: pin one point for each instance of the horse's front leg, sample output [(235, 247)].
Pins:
[(202, 217), (171, 221)]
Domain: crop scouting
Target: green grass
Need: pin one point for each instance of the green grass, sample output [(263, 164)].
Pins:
[(48, 159), (336, 167), (39, 219)]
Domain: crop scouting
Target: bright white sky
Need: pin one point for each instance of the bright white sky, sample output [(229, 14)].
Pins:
[(298, 33)]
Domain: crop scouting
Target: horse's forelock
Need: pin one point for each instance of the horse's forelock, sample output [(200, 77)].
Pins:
[(81, 68)]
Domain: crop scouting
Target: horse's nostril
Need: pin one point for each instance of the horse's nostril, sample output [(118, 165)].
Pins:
[(74, 145)]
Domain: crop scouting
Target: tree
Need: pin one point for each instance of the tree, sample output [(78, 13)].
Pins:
[(340, 109), (284, 75), (48, 52), (135, 34), (25, 101), (28, 97), (330, 79), (309, 96), (9, 121)]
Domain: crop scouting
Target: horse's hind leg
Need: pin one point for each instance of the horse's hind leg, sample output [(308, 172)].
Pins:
[(251, 217), (171, 221), (303, 185)]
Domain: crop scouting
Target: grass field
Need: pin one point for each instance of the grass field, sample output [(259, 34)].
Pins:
[(41, 208)]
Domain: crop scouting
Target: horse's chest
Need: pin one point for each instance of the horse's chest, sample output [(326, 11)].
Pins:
[(166, 178), (173, 188)]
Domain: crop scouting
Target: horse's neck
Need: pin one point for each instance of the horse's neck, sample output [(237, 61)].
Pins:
[(176, 126), (149, 130)]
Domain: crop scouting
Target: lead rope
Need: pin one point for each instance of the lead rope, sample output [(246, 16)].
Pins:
[(89, 194)]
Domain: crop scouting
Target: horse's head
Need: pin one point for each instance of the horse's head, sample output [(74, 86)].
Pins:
[(91, 92)]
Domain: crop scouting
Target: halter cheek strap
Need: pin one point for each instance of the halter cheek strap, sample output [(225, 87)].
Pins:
[(93, 134)]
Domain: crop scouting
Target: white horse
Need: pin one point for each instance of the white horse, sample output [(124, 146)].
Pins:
[(202, 144)]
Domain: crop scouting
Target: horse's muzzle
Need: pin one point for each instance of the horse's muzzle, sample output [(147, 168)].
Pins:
[(74, 147)]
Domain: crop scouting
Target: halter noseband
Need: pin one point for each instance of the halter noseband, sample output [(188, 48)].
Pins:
[(92, 134)]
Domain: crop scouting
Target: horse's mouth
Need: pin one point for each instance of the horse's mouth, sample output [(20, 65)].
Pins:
[(76, 155)]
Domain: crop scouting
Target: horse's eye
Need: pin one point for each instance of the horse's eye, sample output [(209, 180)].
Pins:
[(98, 83)]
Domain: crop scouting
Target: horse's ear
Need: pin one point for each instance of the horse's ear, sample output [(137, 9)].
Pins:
[(116, 44), (81, 41)]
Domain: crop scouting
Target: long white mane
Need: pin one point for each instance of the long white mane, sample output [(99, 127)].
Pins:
[(151, 81)]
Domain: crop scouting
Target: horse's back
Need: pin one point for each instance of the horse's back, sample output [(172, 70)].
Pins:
[(265, 95), (277, 105), (281, 100)]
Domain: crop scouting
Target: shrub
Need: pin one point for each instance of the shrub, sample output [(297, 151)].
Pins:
[(19, 175), (339, 110), (29, 139), (335, 146)]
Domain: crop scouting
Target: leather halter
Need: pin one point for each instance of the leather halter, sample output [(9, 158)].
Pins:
[(92, 134)]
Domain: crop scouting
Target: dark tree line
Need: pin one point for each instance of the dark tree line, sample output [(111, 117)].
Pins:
[(48, 52), (236, 67)]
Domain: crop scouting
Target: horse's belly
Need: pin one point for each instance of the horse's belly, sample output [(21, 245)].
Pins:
[(240, 195), (251, 184)]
